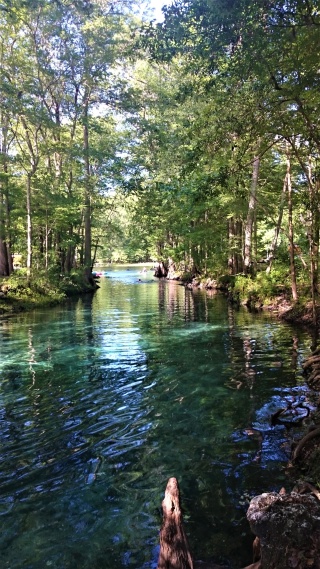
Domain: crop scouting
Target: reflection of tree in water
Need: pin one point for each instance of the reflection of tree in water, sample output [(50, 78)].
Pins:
[(193, 418), (160, 409), (295, 352), (270, 356), (249, 370), (175, 300), (275, 348)]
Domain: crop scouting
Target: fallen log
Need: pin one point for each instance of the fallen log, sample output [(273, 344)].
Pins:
[(174, 548)]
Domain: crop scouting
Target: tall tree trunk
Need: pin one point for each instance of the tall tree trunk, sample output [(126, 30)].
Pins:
[(235, 259), (231, 245), (255, 241), (32, 145), (248, 233), (8, 230), (277, 229), (313, 235), (205, 244), (291, 232), (87, 199), (29, 225), (69, 262), (239, 236), (47, 243), (95, 251), (6, 263)]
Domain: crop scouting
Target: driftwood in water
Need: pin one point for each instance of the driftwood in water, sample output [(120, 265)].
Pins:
[(174, 549)]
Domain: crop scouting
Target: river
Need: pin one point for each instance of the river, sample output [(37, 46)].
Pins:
[(105, 397)]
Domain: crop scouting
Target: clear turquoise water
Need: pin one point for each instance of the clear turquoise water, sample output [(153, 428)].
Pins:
[(105, 398)]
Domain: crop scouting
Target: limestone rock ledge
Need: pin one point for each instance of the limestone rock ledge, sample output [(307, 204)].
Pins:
[(288, 528)]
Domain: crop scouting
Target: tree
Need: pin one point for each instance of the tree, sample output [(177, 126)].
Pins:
[(232, 53), (61, 70)]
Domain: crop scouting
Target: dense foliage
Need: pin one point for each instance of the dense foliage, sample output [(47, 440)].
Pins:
[(60, 88), (196, 139)]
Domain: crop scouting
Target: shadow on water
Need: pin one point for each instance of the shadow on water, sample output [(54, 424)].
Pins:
[(104, 399)]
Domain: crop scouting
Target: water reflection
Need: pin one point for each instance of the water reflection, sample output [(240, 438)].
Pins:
[(102, 400)]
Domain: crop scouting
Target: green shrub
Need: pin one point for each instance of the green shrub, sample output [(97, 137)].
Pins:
[(262, 288)]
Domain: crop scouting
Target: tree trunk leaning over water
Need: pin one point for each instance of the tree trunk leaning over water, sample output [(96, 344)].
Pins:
[(174, 549)]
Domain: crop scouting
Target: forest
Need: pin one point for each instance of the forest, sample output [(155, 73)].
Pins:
[(195, 139)]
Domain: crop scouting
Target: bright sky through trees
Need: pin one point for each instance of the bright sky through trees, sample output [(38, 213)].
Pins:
[(156, 6)]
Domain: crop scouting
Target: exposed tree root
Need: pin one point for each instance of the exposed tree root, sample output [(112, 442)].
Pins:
[(311, 361), (306, 487), (309, 436)]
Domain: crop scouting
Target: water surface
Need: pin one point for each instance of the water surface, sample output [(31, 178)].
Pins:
[(104, 398)]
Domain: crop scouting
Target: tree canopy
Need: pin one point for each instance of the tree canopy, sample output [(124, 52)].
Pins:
[(195, 139)]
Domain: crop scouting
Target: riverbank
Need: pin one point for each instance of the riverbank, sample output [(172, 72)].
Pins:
[(263, 293), (19, 293)]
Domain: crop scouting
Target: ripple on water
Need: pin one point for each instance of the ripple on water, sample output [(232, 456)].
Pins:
[(104, 399)]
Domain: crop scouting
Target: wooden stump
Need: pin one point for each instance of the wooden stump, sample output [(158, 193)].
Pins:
[(174, 549)]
